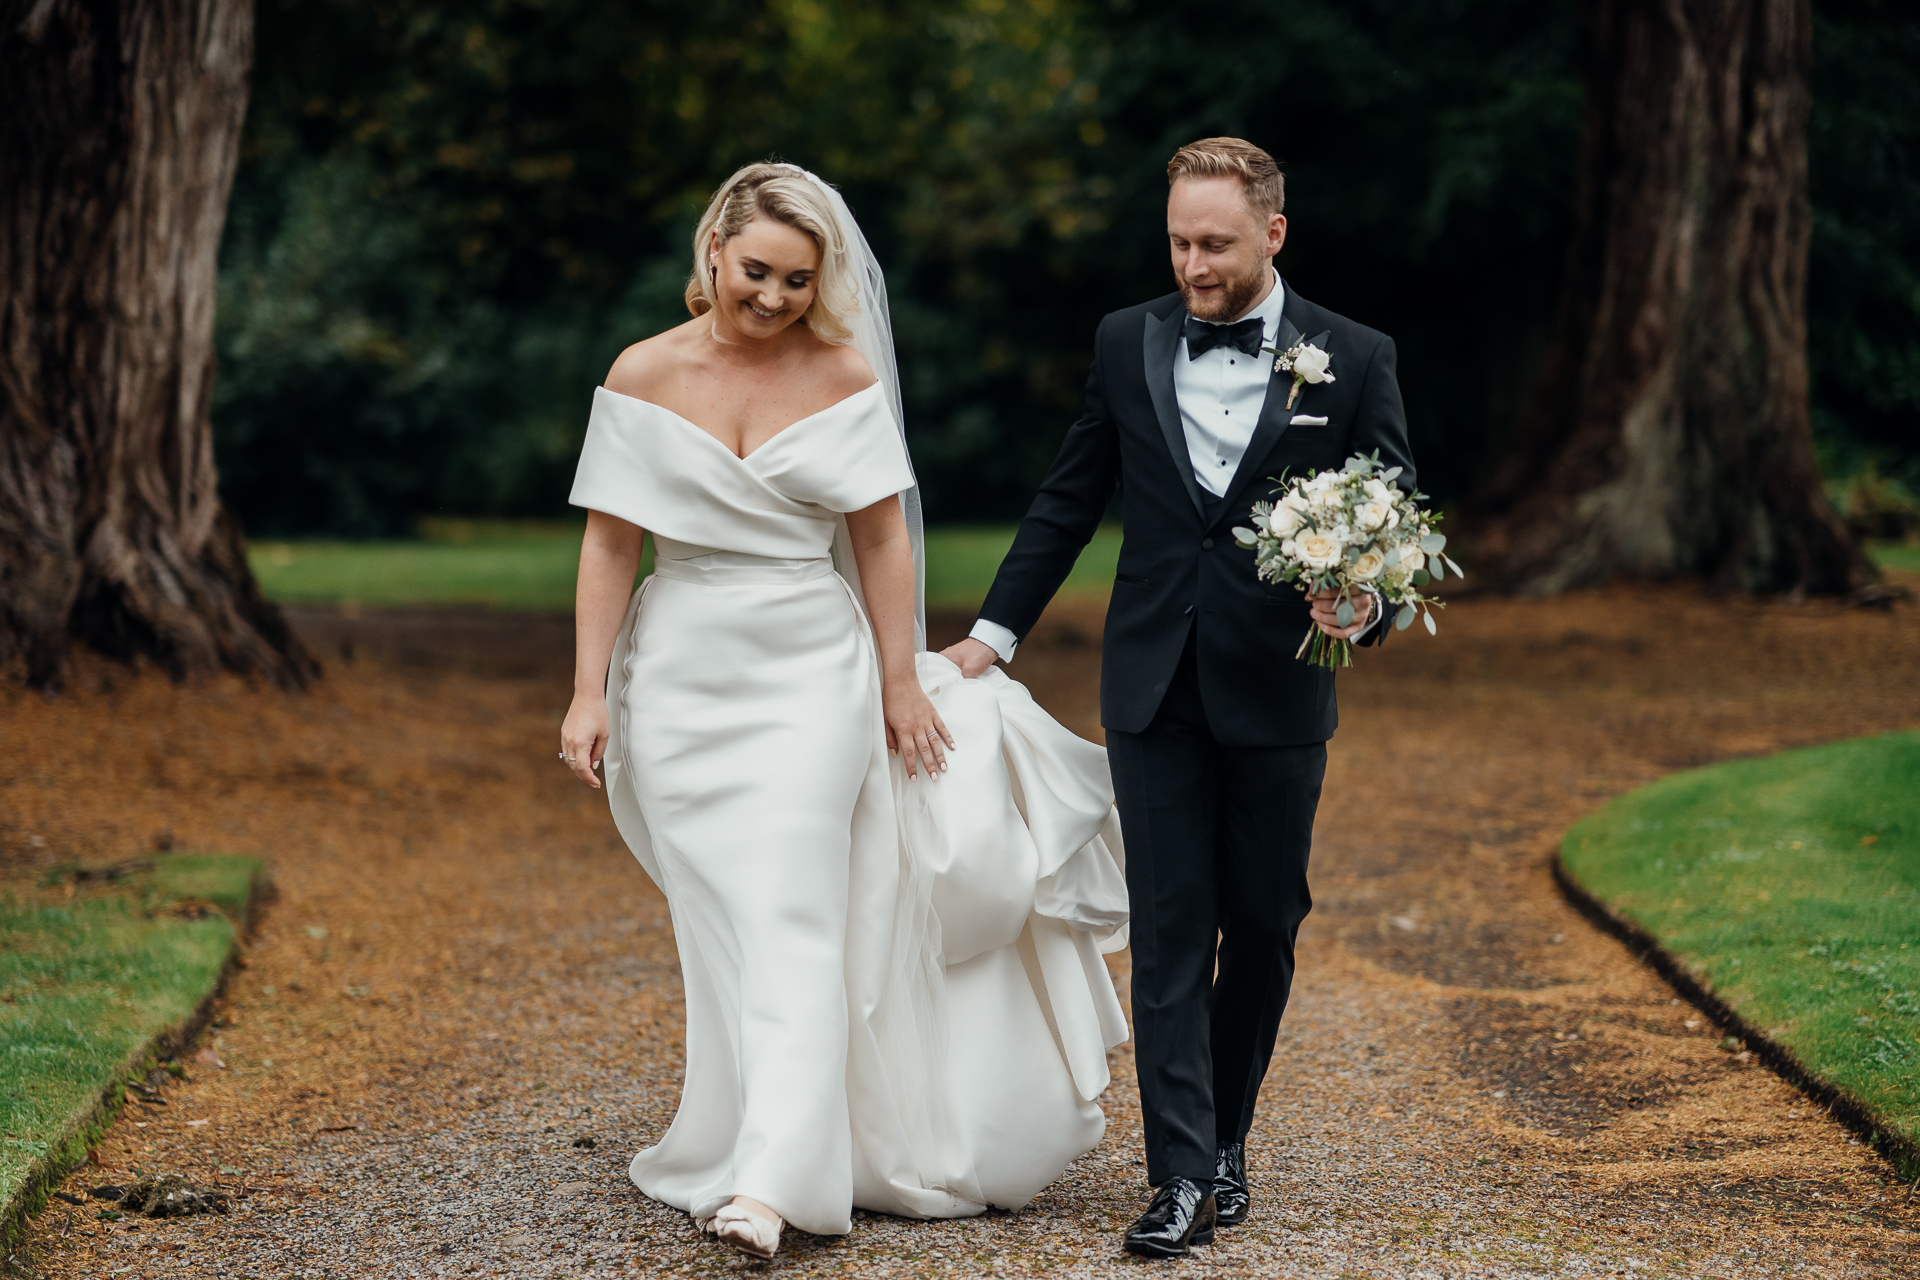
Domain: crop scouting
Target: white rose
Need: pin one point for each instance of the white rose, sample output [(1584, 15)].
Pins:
[(1411, 558), (1372, 515), (1326, 499), (1310, 363), (1285, 520), (1377, 490), (1317, 550), (1368, 565)]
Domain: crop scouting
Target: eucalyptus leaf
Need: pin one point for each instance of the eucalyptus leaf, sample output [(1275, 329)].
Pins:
[(1434, 543), (1427, 618), (1344, 614), (1438, 571), (1404, 619), (1390, 474), (1244, 536), (1421, 578), (1393, 557), (1458, 572)]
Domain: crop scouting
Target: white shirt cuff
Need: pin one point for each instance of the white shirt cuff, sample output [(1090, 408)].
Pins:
[(996, 637), (1373, 619)]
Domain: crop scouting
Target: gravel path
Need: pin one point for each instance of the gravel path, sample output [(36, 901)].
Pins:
[(462, 1015)]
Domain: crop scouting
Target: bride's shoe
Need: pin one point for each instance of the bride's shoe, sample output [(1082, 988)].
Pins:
[(746, 1231)]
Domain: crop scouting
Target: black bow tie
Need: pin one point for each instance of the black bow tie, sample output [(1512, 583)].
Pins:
[(1203, 336)]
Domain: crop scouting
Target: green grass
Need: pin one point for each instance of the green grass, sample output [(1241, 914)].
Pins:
[(506, 564), (531, 565), (1904, 556), (1791, 886), (962, 559), (86, 983)]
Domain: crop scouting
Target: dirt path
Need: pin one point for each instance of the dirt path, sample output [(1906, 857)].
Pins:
[(466, 979)]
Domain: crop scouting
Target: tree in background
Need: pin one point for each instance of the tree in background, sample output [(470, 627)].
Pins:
[(452, 214), (119, 130), (1864, 277), (1671, 430)]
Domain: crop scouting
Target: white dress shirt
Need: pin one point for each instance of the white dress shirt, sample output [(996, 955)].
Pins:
[(1220, 394)]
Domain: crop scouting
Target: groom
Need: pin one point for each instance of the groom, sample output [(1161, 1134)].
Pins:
[(1216, 733)]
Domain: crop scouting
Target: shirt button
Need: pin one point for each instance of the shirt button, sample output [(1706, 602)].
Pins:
[(1206, 544)]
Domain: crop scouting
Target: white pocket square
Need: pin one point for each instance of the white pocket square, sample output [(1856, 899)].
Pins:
[(1307, 420)]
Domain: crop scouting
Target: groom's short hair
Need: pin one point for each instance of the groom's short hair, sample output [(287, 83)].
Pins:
[(1258, 172)]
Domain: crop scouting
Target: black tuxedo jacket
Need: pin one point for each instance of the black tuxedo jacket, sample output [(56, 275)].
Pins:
[(1180, 568)]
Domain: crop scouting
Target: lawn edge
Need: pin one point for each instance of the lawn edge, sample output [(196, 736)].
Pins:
[(1901, 1151), (90, 1121)]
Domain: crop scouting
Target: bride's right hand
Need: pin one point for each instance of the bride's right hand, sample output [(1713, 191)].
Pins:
[(914, 729), (583, 737)]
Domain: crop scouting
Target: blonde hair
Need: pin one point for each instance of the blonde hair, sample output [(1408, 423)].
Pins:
[(784, 193), (1258, 172)]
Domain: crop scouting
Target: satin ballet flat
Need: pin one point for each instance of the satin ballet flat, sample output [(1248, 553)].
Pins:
[(748, 1232)]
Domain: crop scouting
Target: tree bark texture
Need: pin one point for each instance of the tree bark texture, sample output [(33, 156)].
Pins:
[(119, 130), (1669, 431)]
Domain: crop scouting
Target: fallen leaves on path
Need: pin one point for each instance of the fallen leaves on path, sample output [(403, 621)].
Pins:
[(468, 988)]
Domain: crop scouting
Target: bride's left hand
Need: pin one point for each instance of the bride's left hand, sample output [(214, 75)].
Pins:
[(912, 720)]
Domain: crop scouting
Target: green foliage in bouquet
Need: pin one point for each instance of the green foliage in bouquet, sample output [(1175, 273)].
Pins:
[(1348, 531)]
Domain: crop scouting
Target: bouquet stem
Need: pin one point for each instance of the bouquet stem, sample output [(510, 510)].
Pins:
[(1323, 650)]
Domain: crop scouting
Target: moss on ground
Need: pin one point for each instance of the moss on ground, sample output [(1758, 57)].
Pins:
[(1790, 886), (96, 967)]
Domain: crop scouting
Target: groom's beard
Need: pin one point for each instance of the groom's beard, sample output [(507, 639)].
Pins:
[(1232, 297)]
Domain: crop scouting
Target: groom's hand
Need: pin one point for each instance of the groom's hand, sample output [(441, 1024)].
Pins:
[(970, 655), (1326, 613)]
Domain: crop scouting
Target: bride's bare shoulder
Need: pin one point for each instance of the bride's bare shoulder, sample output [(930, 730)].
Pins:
[(646, 369), (841, 371)]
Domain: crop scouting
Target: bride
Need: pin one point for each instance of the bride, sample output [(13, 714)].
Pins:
[(889, 886)]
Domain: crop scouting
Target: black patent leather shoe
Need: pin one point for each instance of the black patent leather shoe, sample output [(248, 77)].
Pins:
[(1181, 1215), (1230, 1199)]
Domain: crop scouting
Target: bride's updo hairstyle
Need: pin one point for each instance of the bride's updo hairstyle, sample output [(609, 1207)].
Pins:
[(783, 193)]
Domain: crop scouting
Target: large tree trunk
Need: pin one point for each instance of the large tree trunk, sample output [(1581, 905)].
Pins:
[(119, 128), (1669, 432)]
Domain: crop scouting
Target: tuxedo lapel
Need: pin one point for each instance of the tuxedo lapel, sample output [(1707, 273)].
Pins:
[(1274, 413), (1160, 344)]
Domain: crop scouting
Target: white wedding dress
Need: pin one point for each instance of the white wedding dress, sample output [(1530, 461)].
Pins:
[(896, 999)]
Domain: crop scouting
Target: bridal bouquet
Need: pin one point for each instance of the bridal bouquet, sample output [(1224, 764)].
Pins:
[(1350, 531)]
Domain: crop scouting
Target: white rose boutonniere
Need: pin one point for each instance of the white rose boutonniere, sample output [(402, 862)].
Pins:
[(1306, 362)]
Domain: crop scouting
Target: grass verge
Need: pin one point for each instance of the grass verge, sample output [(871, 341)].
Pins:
[(530, 565), (100, 979), (1784, 893), (1904, 557)]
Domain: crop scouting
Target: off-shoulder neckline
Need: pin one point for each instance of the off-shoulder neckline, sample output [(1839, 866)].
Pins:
[(739, 457)]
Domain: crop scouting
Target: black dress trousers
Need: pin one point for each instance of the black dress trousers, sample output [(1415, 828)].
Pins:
[(1217, 844)]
